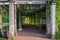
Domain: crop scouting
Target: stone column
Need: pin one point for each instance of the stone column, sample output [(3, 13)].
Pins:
[(34, 19), (25, 19), (52, 20), (47, 20), (30, 19), (39, 21), (0, 20), (15, 21), (12, 22), (20, 22)]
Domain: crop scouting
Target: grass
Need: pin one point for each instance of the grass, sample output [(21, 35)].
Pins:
[(1, 38)]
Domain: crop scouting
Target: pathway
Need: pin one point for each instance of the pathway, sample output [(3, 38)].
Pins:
[(30, 34)]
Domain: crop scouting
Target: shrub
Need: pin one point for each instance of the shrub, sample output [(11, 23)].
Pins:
[(57, 35), (3, 38), (48, 35)]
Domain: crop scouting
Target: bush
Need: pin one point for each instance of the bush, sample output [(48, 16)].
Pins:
[(3, 38), (57, 35), (48, 35)]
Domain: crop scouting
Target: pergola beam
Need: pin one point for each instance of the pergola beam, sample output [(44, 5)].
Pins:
[(30, 2), (24, 2)]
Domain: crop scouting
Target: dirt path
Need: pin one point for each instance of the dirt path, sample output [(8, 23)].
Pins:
[(30, 38), (30, 34)]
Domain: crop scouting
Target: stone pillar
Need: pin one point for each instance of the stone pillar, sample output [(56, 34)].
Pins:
[(30, 19), (47, 20), (52, 20), (20, 22), (0, 19), (15, 21), (34, 19), (12, 22), (25, 19), (39, 20)]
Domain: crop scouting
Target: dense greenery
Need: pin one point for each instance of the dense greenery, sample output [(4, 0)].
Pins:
[(5, 16), (58, 35), (58, 14), (58, 18), (3, 38)]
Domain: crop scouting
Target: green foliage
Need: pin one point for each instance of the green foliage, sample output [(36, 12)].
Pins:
[(48, 35), (3, 38), (58, 14), (43, 14), (57, 35), (58, 19), (5, 16)]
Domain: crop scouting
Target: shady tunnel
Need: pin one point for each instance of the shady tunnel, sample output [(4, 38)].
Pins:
[(35, 13), (31, 15)]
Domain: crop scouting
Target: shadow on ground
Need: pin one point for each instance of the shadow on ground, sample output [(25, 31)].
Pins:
[(31, 31)]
